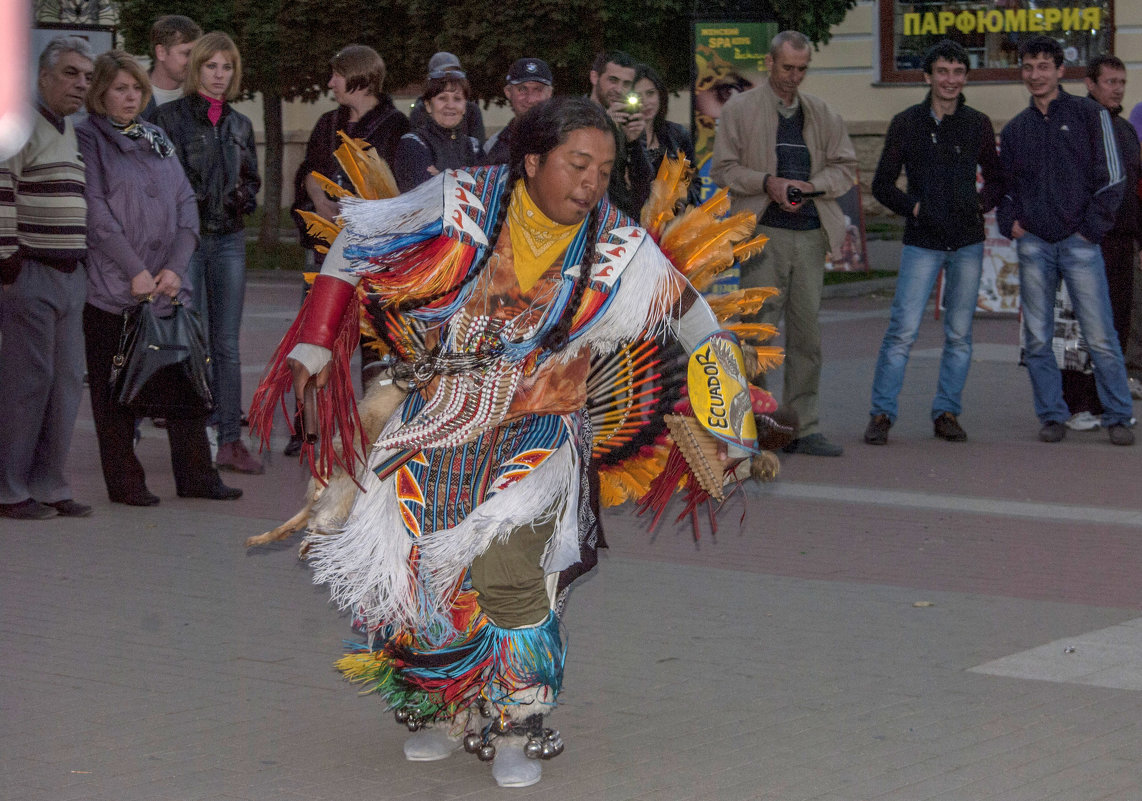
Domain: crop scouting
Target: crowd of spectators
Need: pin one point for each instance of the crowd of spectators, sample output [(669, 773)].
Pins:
[(147, 198)]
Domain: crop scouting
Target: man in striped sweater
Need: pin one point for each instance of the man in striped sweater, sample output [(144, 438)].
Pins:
[(43, 239)]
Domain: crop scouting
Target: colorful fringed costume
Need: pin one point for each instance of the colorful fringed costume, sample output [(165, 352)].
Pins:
[(471, 503)]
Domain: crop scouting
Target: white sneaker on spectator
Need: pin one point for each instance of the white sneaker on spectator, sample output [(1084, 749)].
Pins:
[(1083, 421), (1135, 388)]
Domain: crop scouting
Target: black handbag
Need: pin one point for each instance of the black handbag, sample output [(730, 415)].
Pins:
[(161, 367)]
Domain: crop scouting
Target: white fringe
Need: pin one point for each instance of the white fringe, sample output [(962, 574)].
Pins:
[(648, 289), (550, 491), (366, 563), (403, 214)]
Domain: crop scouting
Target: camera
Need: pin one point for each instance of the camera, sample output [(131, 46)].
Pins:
[(794, 195), (633, 104)]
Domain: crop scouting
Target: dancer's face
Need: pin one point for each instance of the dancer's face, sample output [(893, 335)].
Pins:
[(569, 181)]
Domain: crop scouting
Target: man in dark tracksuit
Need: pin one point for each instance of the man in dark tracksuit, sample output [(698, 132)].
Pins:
[(1064, 183), (938, 143), (1106, 83)]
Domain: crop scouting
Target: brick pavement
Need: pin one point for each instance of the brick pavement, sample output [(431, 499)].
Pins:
[(145, 655)]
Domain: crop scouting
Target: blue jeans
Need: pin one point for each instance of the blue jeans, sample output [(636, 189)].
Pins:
[(218, 291), (919, 268), (1079, 264)]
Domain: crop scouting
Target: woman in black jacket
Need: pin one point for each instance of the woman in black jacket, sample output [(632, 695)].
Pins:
[(216, 147), (440, 144), (363, 111), (663, 138)]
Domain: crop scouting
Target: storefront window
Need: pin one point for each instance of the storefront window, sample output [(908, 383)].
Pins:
[(991, 30)]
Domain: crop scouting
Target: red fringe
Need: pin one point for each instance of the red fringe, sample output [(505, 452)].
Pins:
[(662, 489), (336, 403)]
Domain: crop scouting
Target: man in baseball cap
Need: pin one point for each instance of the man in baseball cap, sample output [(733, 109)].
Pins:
[(529, 83)]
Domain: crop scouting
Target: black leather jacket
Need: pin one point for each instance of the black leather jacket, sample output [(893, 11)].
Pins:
[(220, 161)]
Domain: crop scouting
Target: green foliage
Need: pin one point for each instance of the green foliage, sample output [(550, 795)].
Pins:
[(287, 44), (288, 256)]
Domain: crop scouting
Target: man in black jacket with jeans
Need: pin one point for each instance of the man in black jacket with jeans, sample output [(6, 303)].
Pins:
[(938, 143)]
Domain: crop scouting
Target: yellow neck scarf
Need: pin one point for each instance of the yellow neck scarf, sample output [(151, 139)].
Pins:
[(536, 239)]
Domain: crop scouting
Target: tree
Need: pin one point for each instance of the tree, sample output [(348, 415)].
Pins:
[(285, 47), (286, 44)]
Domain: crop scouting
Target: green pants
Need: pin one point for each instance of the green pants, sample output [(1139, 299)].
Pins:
[(794, 262), (509, 577)]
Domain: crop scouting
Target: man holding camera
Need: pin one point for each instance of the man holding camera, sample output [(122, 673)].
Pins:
[(938, 144), (786, 156), (612, 79)]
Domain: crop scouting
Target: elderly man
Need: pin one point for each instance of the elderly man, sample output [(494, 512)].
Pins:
[(529, 83), (786, 156), (43, 240)]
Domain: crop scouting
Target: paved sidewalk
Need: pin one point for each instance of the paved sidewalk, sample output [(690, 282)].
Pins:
[(926, 620)]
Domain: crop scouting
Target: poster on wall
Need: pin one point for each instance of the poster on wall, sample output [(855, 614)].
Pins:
[(729, 57), (999, 282), (854, 248)]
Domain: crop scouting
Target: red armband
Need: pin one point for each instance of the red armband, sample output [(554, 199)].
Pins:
[(324, 308)]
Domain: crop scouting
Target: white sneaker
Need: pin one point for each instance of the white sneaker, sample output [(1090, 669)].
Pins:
[(512, 768), (1083, 421), (1135, 388), (430, 745)]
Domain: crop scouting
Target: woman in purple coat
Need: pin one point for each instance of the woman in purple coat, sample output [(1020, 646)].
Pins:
[(142, 227)]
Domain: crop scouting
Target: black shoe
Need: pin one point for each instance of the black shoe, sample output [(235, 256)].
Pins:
[(27, 510), (947, 427), (1054, 431), (143, 497), (293, 447), (1120, 434), (70, 508), (215, 492), (814, 445), (877, 431)]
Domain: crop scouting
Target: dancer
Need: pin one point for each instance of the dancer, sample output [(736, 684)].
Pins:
[(471, 501)]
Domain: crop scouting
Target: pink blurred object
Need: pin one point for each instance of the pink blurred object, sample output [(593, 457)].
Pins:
[(15, 122)]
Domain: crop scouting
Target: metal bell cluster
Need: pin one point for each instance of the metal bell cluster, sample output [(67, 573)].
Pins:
[(475, 744), (546, 745), (410, 719), (541, 743)]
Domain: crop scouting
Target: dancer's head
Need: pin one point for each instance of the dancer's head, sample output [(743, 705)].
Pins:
[(564, 150)]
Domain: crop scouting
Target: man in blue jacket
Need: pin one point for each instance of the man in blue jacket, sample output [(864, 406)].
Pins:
[(1064, 183), (938, 144)]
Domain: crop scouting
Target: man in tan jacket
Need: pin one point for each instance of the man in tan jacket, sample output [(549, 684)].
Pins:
[(786, 156)]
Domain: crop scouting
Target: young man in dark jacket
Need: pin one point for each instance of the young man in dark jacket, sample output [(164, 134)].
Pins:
[(938, 143), (1064, 183)]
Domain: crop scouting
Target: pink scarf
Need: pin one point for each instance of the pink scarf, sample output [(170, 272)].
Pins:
[(214, 113)]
